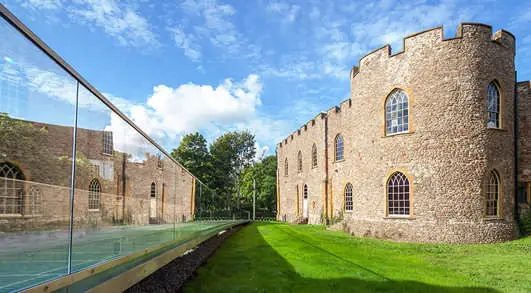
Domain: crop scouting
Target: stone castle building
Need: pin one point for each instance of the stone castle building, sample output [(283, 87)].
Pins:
[(111, 187), (434, 144)]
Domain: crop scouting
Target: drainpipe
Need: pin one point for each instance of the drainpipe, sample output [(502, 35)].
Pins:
[(326, 166), (516, 139)]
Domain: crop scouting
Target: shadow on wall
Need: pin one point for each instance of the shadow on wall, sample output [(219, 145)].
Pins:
[(251, 264)]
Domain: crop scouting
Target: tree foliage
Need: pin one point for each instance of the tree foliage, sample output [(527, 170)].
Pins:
[(193, 154), (264, 173)]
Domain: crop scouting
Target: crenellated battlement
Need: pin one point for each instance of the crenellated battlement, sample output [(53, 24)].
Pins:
[(303, 128), (466, 32), (423, 40)]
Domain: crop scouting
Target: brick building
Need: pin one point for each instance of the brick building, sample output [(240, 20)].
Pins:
[(110, 186), (424, 150)]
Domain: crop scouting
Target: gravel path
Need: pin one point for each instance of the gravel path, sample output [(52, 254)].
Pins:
[(172, 276)]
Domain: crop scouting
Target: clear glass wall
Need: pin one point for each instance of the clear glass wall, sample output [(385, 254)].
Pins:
[(126, 194)]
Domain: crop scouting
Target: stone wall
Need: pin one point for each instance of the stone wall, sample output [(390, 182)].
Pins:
[(43, 152), (524, 138), (447, 153)]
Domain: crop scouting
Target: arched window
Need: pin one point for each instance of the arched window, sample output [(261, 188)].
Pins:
[(493, 106), (300, 162), (36, 201), (286, 167), (94, 194), (314, 156), (339, 147), (153, 189), (493, 194), (396, 113), (298, 199), (11, 189), (398, 203), (305, 192), (348, 197)]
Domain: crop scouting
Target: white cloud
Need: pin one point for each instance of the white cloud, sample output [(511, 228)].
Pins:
[(286, 11), (41, 4), (209, 22), (117, 20), (186, 42), (200, 105)]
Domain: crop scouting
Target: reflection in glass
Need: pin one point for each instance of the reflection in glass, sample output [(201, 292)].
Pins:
[(37, 102)]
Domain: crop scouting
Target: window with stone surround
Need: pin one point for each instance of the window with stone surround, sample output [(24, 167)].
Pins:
[(398, 203), (107, 143), (314, 156), (286, 167), (159, 161), (493, 194), (299, 162), (348, 197), (11, 189), (397, 113), (94, 195), (36, 201), (493, 106), (153, 189), (339, 147)]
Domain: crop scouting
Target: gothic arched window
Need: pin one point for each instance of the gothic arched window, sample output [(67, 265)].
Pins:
[(493, 194), (398, 203), (153, 189), (300, 162), (397, 113), (493, 106), (314, 156), (339, 146), (11, 189), (94, 194), (348, 197)]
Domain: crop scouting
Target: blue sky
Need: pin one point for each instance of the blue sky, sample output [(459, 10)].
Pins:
[(213, 66)]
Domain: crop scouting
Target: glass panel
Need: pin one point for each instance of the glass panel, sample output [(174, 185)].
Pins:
[(37, 102)]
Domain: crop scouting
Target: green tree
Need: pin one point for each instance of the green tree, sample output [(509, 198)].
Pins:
[(193, 154), (264, 173), (231, 152)]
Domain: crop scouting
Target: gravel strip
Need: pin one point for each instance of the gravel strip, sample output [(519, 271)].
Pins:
[(172, 276)]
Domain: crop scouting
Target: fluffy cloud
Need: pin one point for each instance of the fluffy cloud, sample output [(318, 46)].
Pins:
[(190, 106), (41, 4), (186, 42), (287, 11), (117, 20)]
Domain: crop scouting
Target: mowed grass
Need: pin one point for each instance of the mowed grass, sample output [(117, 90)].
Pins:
[(285, 258)]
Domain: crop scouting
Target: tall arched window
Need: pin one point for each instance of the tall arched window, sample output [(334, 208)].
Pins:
[(286, 167), (398, 203), (493, 106), (397, 113), (153, 189), (339, 147), (94, 194), (348, 197), (299, 162), (314, 156), (36, 201), (298, 199), (11, 189), (493, 194)]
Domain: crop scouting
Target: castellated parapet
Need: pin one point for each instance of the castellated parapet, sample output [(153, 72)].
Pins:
[(447, 153)]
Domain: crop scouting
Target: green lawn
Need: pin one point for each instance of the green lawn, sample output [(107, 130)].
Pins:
[(285, 258)]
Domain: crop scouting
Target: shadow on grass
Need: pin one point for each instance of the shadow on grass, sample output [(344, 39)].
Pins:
[(246, 262)]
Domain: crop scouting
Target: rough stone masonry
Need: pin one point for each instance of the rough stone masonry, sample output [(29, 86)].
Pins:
[(459, 168)]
